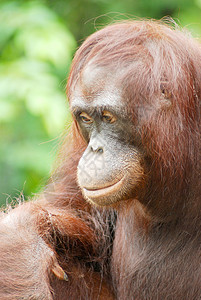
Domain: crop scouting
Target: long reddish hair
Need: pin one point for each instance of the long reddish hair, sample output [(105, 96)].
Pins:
[(158, 69), (159, 72)]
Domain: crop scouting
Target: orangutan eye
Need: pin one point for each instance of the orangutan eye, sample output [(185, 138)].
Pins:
[(85, 118), (108, 117)]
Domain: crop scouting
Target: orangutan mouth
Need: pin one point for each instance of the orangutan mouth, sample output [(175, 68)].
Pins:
[(103, 191)]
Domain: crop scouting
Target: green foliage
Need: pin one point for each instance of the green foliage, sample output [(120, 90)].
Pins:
[(36, 51), (85, 16)]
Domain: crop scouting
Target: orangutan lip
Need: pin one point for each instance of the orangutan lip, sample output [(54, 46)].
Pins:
[(96, 193)]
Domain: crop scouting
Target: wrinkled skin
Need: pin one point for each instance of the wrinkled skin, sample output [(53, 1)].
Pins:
[(112, 167)]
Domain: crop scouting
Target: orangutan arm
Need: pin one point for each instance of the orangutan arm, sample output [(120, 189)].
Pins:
[(37, 243)]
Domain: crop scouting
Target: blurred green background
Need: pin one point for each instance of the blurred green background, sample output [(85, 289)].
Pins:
[(37, 43)]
